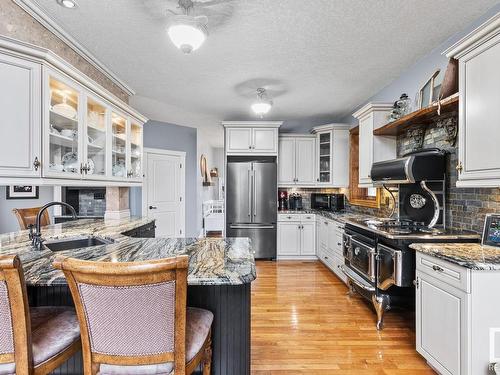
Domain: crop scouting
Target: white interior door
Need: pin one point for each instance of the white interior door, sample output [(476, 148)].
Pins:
[(164, 188)]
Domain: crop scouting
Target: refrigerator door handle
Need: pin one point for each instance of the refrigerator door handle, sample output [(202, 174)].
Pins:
[(250, 226), (249, 193), (254, 194)]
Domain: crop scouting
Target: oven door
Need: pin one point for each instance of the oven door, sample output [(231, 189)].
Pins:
[(362, 258), (390, 267)]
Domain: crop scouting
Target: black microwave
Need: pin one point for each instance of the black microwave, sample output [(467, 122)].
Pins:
[(329, 202)]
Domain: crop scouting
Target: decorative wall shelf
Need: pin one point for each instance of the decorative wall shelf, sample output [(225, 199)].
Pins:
[(423, 116)]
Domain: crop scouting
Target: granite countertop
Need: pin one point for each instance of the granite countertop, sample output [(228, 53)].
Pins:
[(212, 261), (339, 216), (469, 255)]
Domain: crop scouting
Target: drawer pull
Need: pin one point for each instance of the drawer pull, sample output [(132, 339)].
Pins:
[(288, 217), (437, 268)]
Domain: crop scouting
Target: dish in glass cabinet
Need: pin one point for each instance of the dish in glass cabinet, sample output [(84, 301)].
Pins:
[(56, 167), (91, 166), (70, 133), (70, 162), (65, 110)]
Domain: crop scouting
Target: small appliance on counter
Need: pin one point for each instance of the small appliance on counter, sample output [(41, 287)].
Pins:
[(328, 202), (282, 200), (295, 201)]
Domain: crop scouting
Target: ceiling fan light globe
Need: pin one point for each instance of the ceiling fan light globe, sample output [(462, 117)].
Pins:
[(261, 108), (186, 37)]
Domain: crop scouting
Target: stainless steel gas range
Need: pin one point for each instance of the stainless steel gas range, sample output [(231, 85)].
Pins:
[(379, 263)]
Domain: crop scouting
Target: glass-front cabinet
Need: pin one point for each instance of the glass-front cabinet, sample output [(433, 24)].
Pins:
[(86, 138), (62, 145), (95, 163), (324, 157), (119, 136), (136, 137)]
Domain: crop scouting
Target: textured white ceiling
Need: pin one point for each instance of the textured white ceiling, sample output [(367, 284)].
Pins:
[(324, 57)]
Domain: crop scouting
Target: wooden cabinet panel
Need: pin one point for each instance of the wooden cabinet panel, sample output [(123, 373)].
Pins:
[(308, 239), (20, 107), (238, 139), (442, 324), (286, 161), (305, 161), (289, 238), (265, 140), (479, 132)]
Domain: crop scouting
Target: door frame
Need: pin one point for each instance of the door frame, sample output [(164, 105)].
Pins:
[(182, 189)]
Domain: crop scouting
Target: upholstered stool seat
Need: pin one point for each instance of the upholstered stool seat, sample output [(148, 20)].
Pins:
[(198, 324), (53, 329)]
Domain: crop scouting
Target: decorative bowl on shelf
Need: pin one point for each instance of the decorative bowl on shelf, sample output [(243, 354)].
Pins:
[(65, 110), (70, 133)]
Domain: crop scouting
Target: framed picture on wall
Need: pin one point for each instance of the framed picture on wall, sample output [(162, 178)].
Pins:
[(22, 192)]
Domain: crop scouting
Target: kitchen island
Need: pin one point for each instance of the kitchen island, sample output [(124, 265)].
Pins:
[(219, 275)]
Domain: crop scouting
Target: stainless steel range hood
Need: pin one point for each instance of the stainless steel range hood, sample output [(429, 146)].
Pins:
[(423, 165)]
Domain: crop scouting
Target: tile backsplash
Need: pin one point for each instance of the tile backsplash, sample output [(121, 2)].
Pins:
[(465, 207)]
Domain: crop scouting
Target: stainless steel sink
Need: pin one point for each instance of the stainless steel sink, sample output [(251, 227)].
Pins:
[(76, 243)]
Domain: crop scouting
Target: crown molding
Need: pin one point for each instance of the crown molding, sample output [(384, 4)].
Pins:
[(34, 10), (372, 107), (478, 36)]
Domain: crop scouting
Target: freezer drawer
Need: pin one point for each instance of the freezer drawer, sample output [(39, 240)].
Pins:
[(263, 238)]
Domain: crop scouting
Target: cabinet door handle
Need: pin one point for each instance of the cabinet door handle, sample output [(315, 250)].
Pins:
[(339, 244), (437, 268), (250, 147), (459, 167), (36, 163), (153, 207)]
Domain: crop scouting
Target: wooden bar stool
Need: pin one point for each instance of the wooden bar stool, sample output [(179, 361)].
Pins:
[(32, 341), (133, 317), (27, 216)]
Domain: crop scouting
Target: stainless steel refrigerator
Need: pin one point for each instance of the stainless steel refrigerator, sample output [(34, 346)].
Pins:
[(251, 202)]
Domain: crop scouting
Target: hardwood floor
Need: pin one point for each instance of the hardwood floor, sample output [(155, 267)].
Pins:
[(303, 322)]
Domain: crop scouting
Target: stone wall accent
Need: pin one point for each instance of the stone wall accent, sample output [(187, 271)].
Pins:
[(16, 23), (465, 207)]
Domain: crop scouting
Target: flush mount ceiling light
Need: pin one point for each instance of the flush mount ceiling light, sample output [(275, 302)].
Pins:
[(187, 32), (70, 4), (263, 104)]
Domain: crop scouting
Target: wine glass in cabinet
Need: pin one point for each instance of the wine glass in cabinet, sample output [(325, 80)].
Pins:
[(62, 146), (95, 140), (118, 146)]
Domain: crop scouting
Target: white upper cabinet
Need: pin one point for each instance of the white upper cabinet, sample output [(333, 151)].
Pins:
[(60, 126), (479, 110), (296, 160), (20, 101), (305, 152), (286, 161), (373, 148), (251, 137), (332, 155)]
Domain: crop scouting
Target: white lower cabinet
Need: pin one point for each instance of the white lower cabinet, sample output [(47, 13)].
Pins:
[(296, 236), (457, 316), (329, 252)]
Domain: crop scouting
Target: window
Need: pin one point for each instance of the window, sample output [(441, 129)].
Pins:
[(366, 197)]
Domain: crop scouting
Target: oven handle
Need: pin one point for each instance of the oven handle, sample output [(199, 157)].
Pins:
[(355, 279)]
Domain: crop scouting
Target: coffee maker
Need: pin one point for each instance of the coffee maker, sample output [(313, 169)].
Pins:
[(282, 200), (295, 201)]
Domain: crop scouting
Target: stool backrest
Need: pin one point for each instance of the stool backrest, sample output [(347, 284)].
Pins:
[(15, 328), (130, 313), (27, 217)]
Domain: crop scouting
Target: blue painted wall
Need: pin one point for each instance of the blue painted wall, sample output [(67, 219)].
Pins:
[(412, 79), (173, 137)]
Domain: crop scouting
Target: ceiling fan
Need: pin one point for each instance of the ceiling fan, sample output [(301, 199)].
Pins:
[(189, 20)]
